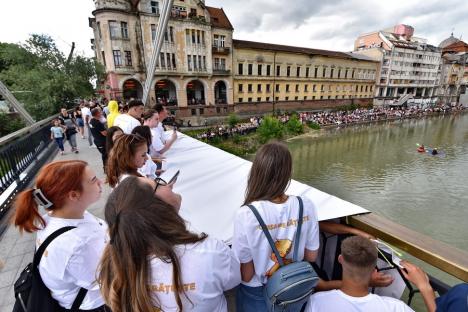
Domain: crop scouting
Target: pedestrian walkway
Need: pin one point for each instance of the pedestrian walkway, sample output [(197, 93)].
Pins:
[(17, 250)]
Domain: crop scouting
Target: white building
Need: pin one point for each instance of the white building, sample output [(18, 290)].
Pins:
[(410, 67)]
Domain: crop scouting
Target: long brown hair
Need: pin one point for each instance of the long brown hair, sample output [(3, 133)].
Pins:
[(121, 156), (270, 174), (141, 226), (55, 180)]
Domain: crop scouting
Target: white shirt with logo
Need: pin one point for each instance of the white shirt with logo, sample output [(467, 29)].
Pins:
[(208, 268), (250, 243), (126, 122), (71, 259), (336, 300)]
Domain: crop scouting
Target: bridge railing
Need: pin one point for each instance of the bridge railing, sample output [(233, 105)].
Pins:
[(22, 154)]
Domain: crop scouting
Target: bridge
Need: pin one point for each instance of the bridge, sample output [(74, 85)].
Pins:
[(23, 153)]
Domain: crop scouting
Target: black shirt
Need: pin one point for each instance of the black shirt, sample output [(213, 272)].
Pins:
[(96, 128)]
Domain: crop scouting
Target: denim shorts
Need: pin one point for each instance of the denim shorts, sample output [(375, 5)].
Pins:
[(250, 299), (80, 122)]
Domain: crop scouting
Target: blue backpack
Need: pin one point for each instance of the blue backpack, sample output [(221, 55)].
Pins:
[(289, 288)]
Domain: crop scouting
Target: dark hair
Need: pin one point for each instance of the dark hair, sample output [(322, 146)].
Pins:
[(148, 114), (145, 132), (121, 155), (110, 134), (141, 226), (55, 180), (359, 252), (270, 174), (134, 103), (159, 107), (95, 111)]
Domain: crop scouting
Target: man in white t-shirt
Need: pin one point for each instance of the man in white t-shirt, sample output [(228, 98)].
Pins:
[(358, 259), (127, 122), (159, 144)]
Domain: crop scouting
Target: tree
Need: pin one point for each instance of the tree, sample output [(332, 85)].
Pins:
[(40, 68), (233, 120), (270, 128)]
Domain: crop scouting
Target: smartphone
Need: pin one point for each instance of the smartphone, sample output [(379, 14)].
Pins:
[(174, 178)]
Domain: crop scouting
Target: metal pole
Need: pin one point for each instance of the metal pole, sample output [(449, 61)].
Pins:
[(157, 44), (16, 105)]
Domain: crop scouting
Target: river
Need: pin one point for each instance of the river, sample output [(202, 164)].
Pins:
[(376, 166)]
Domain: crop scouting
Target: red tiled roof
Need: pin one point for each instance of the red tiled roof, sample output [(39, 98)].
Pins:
[(219, 18), (283, 48)]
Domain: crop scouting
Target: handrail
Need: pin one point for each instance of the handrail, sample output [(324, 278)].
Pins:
[(24, 131), (440, 255)]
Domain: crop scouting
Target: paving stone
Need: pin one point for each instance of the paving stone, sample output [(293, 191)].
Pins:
[(7, 278), (12, 263)]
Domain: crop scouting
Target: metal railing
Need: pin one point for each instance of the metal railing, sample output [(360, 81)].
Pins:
[(22, 154)]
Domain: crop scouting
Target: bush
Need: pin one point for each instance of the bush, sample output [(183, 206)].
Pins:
[(270, 128), (313, 125), (233, 120), (294, 125)]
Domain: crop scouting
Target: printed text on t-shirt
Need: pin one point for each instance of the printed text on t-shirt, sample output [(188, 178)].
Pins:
[(291, 222)]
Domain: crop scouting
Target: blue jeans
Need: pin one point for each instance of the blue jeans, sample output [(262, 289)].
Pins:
[(250, 299), (59, 142)]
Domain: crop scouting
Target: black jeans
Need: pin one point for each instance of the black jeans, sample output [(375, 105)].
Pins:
[(102, 150)]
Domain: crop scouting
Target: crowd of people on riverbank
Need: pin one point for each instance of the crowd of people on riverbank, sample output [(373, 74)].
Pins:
[(143, 257)]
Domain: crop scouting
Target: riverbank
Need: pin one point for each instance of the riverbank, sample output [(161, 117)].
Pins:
[(244, 144)]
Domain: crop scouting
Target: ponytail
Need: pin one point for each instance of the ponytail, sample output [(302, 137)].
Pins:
[(27, 217)]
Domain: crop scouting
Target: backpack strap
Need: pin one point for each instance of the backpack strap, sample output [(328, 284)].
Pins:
[(40, 251), (267, 234), (299, 227)]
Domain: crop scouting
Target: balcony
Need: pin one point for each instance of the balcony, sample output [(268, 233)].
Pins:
[(221, 71), (220, 50)]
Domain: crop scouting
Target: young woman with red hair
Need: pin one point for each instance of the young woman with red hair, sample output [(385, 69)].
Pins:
[(66, 189)]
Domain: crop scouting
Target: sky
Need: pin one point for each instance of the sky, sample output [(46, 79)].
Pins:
[(324, 24)]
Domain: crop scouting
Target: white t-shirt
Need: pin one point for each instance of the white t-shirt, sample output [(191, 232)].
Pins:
[(250, 243), (156, 142), (148, 169), (208, 268), (85, 111), (336, 300), (71, 260), (126, 122)]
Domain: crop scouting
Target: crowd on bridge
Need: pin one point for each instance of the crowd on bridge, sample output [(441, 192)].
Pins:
[(143, 256)]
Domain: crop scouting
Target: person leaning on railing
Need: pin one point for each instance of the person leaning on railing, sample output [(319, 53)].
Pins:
[(66, 189)]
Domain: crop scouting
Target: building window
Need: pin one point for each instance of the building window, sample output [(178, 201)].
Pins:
[(168, 59), (287, 88), (154, 7), (117, 58), (189, 62), (98, 24), (277, 88), (305, 98), (259, 99), (339, 73), (249, 88), (322, 87), (114, 29), (240, 69), (306, 87), (298, 71), (259, 88), (352, 76), (201, 111), (314, 88), (324, 71), (362, 87), (240, 100), (194, 112), (267, 99), (297, 88), (103, 58), (315, 72), (367, 88), (296, 98), (171, 34), (174, 64), (268, 68), (249, 100), (346, 74), (313, 97), (124, 30), (153, 32), (259, 69), (128, 58), (278, 70), (321, 97), (307, 72), (268, 87), (288, 71), (250, 69), (286, 98), (276, 98), (331, 72), (241, 87), (162, 62)]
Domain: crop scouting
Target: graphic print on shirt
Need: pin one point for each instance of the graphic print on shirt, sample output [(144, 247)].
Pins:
[(284, 247)]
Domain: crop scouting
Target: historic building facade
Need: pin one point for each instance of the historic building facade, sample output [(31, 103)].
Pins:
[(409, 72), (202, 71), (194, 66)]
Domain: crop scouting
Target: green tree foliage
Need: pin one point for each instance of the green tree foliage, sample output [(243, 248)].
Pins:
[(294, 125), (42, 70), (9, 123), (313, 125), (233, 120), (270, 128)]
